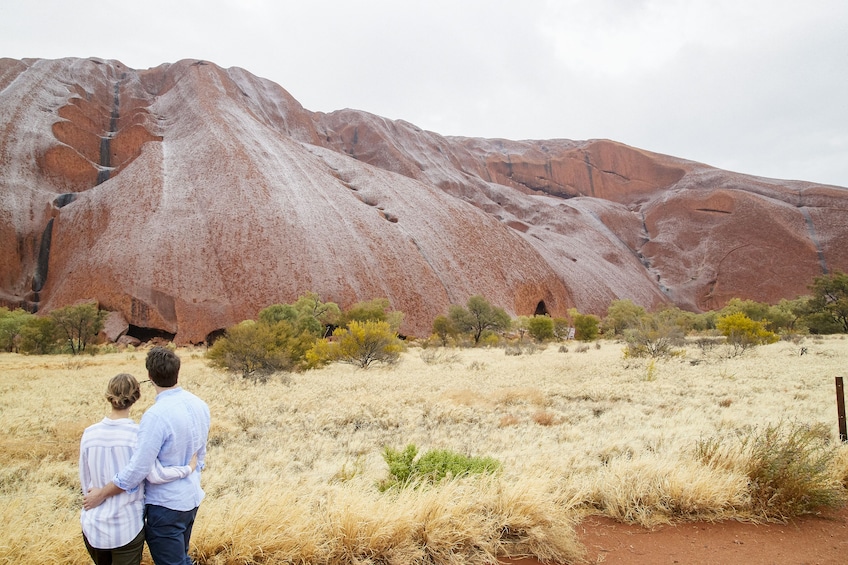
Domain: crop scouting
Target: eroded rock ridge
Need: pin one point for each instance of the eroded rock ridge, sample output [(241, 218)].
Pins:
[(187, 197)]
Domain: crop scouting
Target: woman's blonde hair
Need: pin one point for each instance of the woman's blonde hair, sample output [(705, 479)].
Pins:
[(122, 391)]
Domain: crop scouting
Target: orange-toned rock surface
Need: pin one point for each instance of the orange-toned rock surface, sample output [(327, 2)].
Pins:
[(187, 197)]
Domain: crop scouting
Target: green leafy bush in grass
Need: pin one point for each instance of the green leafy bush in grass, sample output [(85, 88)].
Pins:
[(432, 466)]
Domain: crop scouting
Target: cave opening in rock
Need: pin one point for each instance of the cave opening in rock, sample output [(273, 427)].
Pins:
[(541, 309), (214, 336), (149, 334)]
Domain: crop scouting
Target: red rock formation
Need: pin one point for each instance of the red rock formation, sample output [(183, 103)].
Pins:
[(188, 197)]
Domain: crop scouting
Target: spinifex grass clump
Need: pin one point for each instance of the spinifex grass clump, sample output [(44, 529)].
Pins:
[(790, 468), (431, 467)]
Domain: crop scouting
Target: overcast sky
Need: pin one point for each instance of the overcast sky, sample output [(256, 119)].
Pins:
[(753, 86)]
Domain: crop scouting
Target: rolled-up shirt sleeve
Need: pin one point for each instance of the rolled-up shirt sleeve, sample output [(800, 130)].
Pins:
[(152, 432)]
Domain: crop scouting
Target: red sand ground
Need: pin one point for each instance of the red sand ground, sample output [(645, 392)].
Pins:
[(820, 539)]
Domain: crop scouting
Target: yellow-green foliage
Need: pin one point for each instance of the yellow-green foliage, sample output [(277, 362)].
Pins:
[(740, 329), (360, 343)]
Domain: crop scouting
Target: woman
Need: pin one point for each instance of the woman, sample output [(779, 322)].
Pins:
[(114, 531)]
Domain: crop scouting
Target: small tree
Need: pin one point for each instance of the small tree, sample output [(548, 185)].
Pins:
[(541, 328), (443, 328), (830, 298), (479, 316), (365, 343), (79, 324)]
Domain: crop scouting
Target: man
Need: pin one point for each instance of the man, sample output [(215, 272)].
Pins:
[(172, 431)]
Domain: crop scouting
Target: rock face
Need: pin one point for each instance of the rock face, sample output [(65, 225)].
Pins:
[(187, 197)]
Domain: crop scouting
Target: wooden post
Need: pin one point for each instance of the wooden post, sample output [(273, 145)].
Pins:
[(840, 409)]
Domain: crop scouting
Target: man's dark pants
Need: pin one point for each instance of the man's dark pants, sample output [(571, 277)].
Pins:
[(168, 532)]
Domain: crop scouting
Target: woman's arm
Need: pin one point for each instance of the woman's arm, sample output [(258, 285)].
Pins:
[(161, 474)]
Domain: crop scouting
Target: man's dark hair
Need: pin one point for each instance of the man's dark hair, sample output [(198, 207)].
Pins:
[(163, 366)]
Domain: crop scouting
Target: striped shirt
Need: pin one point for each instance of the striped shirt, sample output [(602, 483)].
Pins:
[(106, 448), (172, 430)]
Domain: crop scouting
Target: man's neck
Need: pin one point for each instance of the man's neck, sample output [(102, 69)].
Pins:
[(160, 390)]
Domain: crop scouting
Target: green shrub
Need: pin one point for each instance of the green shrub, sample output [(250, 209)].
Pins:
[(255, 350), (444, 329), (376, 310), (789, 468), (621, 315), (39, 336), (432, 467), (586, 326), (541, 328), (307, 315), (11, 323)]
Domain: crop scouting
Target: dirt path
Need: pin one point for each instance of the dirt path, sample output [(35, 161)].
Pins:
[(810, 540)]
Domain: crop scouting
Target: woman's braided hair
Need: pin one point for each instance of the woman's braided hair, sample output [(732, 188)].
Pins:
[(122, 391)]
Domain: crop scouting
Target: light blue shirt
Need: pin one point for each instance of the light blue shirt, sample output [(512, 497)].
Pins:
[(172, 430)]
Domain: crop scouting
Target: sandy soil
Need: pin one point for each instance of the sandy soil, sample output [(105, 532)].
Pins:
[(810, 540)]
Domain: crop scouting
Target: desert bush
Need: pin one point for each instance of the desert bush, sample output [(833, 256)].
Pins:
[(11, 323), (376, 310), (439, 356), (513, 349), (788, 465), (653, 336), (39, 336), (544, 418), (562, 328), (743, 333), (444, 329), (432, 467), (308, 314), (586, 326), (541, 328), (361, 344), (621, 315), (257, 350)]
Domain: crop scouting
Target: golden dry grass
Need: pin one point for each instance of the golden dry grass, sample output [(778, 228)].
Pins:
[(293, 464)]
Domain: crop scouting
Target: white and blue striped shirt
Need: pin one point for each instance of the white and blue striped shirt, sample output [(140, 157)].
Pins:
[(171, 431), (106, 448)]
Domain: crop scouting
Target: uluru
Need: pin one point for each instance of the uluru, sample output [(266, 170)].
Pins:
[(185, 198)]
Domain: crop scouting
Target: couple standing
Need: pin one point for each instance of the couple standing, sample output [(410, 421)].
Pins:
[(139, 481)]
